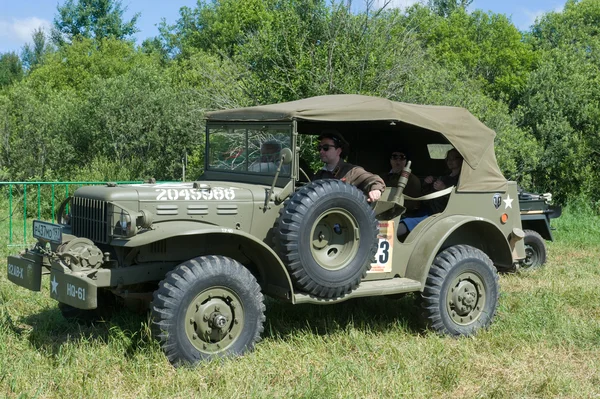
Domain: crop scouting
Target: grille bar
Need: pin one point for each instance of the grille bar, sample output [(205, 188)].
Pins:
[(89, 219)]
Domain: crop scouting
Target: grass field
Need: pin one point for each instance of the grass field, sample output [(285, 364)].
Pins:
[(545, 342)]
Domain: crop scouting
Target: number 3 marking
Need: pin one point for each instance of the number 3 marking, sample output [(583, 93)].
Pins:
[(384, 252)]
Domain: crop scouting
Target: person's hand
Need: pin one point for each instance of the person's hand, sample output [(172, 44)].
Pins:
[(374, 195), (439, 185), (429, 179)]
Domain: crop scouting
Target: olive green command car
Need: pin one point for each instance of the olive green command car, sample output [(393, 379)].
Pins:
[(204, 254)]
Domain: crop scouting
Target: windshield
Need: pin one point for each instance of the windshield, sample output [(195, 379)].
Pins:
[(244, 149)]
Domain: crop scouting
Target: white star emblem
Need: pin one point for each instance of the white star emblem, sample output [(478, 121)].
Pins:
[(508, 202), (54, 285)]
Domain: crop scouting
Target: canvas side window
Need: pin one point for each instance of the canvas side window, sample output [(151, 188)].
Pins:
[(438, 151)]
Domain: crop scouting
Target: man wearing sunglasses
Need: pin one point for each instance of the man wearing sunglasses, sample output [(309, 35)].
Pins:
[(398, 161), (332, 149)]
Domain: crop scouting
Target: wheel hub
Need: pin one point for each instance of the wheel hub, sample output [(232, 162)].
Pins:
[(213, 322), (530, 256), (334, 239), (466, 298)]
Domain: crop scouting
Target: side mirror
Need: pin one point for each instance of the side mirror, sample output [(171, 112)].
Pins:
[(286, 156)]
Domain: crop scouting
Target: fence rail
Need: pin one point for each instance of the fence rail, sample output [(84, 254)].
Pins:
[(60, 189)]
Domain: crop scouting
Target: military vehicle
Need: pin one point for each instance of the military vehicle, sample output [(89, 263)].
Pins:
[(204, 254), (536, 212)]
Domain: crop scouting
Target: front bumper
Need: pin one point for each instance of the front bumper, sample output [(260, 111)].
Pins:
[(72, 288), (26, 270)]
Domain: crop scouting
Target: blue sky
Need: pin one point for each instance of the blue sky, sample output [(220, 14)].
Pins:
[(19, 18)]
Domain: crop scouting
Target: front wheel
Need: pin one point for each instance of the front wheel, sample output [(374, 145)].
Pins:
[(207, 307), (461, 292)]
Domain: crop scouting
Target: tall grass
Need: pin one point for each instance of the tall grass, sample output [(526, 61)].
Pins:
[(545, 342)]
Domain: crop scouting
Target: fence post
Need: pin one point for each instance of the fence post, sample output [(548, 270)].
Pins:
[(52, 202), (39, 194), (10, 214), (25, 212)]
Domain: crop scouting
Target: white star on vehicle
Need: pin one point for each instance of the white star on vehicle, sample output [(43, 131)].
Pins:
[(54, 285), (508, 202)]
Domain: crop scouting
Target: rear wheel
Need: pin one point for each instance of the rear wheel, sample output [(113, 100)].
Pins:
[(210, 306), (535, 251), (461, 292)]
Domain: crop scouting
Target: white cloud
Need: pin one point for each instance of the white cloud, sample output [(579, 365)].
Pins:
[(17, 32), (531, 16)]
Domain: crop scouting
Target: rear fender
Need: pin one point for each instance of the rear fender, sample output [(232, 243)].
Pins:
[(454, 230), (272, 274)]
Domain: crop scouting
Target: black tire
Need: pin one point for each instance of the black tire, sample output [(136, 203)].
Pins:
[(107, 304), (327, 236), (535, 251), (461, 292), (207, 307)]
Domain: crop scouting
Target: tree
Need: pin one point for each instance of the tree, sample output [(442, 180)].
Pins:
[(92, 19), (33, 56), (444, 8), (487, 45), (218, 25), (11, 69)]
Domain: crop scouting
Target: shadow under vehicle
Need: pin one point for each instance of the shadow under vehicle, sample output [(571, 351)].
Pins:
[(204, 254)]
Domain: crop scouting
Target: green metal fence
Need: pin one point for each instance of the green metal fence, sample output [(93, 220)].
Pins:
[(46, 194)]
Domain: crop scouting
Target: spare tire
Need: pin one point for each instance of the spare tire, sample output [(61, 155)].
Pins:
[(327, 237)]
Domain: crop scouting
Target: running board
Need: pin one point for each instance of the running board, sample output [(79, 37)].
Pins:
[(366, 288)]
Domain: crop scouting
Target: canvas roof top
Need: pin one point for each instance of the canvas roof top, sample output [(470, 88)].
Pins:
[(465, 132)]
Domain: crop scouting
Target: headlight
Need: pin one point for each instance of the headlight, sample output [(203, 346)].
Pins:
[(124, 227)]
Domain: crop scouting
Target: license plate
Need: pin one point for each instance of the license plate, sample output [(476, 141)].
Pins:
[(47, 231)]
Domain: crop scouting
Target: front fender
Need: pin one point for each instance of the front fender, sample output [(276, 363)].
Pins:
[(272, 274), (164, 230), (478, 232)]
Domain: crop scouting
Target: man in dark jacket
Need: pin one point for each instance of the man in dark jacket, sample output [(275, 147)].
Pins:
[(398, 160), (332, 148)]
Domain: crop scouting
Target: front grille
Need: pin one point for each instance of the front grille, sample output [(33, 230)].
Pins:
[(89, 219)]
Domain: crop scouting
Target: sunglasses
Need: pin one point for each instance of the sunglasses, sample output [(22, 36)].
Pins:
[(398, 156), (325, 147)]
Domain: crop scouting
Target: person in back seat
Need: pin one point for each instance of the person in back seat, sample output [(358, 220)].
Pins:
[(332, 148), (454, 162), (398, 160)]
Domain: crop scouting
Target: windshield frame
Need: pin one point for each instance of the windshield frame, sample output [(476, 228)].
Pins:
[(248, 150)]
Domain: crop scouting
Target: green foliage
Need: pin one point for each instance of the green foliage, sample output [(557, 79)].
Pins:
[(488, 46), (560, 104), (97, 19), (314, 50), (139, 119), (217, 83), (98, 99), (445, 8), (218, 26), (11, 69), (74, 67), (105, 102), (33, 55)]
